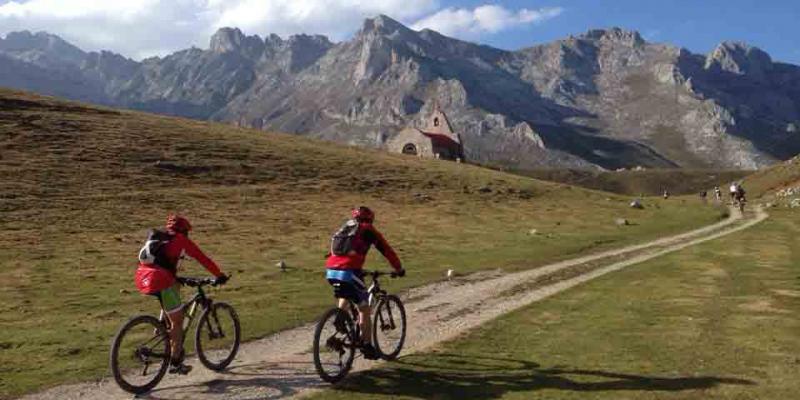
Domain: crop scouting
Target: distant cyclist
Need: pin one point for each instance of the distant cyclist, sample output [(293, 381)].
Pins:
[(740, 196), (156, 275), (733, 191), (349, 247)]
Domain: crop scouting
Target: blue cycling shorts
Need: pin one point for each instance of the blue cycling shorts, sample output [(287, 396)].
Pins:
[(348, 285)]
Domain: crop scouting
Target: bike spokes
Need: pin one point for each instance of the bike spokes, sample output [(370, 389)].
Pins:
[(217, 336), (389, 330), (140, 354), (334, 345)]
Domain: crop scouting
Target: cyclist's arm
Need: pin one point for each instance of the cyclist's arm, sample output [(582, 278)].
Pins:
[(383, 246), (193, 251)]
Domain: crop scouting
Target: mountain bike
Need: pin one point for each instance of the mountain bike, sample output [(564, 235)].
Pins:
[(740, 203), (140, 352), (338, 335)]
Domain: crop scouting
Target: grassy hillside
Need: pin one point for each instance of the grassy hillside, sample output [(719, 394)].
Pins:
[(79, 187), (716, 321), (769, 180), (648, 182)]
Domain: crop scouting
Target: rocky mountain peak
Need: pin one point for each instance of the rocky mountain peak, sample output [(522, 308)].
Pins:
[(739, 58), (303, 50), (313, 40), (26, 40), (383, 25), (232, 40), (109, 61), (273, 40), (615, 36), (377, 43), (35, 46)]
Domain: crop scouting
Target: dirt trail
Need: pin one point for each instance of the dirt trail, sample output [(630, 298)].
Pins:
[(279, 366)]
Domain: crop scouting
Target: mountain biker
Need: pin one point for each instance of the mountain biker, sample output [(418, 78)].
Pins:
[(733, 190), (344, 272), (160, 281), (740, 194)]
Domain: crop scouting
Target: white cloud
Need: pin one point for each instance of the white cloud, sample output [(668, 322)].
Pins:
[(483, 19), (136, 28), (59, 9), (336, 18), (140, 28)]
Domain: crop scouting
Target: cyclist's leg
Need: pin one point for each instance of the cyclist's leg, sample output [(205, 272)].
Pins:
[(342, 303), (170, 299), (354, 291), (360, 298), (365, 321)]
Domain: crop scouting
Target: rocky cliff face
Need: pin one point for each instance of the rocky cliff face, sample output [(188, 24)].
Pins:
[(606, 98)]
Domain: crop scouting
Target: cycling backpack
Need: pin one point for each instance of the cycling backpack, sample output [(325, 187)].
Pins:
[(151, 252), (342, 240)]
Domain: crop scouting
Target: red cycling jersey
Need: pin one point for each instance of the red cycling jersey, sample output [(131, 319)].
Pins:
[(151, 278), (366, 236)]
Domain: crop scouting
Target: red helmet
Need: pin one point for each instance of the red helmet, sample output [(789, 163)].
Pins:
[(178, 224), (363, 214)]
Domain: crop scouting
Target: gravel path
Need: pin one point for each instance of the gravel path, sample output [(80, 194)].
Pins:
[(280, 366)]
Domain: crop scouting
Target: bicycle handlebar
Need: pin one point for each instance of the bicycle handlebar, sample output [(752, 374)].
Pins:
[(197, 282), (376, 273)]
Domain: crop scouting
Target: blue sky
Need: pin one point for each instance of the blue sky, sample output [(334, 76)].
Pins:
[(141, 28), (699, 25)]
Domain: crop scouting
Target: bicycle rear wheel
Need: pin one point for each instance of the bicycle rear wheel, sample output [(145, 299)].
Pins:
[(217, 336), (140, 354), (389, 327), (334, 345)]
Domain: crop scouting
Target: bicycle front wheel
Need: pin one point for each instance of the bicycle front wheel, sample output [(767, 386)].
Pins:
[(140, 354), (334, 345), (217, 336), (389, 327)]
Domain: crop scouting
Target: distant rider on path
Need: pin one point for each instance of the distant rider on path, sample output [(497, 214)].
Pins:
[(733, 191), (349, 247), (157, 277), (740, 194)]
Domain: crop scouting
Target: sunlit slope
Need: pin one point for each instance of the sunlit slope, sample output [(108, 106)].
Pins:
[(779, 176), (79, 187)]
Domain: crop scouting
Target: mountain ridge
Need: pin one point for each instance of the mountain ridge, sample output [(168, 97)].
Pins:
[(604, 99)]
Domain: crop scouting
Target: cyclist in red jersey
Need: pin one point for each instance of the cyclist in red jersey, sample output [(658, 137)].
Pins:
[(160, 281), (344, 272)]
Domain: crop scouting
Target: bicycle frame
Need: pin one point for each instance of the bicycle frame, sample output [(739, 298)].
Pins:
[(199, 299), (376, 294)]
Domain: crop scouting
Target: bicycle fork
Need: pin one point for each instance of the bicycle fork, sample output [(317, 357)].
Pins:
[(391, 324)]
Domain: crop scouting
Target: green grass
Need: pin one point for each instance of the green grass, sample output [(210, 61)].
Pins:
[(719, 320), (79, 187)]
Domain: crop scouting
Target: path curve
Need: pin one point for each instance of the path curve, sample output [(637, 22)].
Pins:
[(279, 366)]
